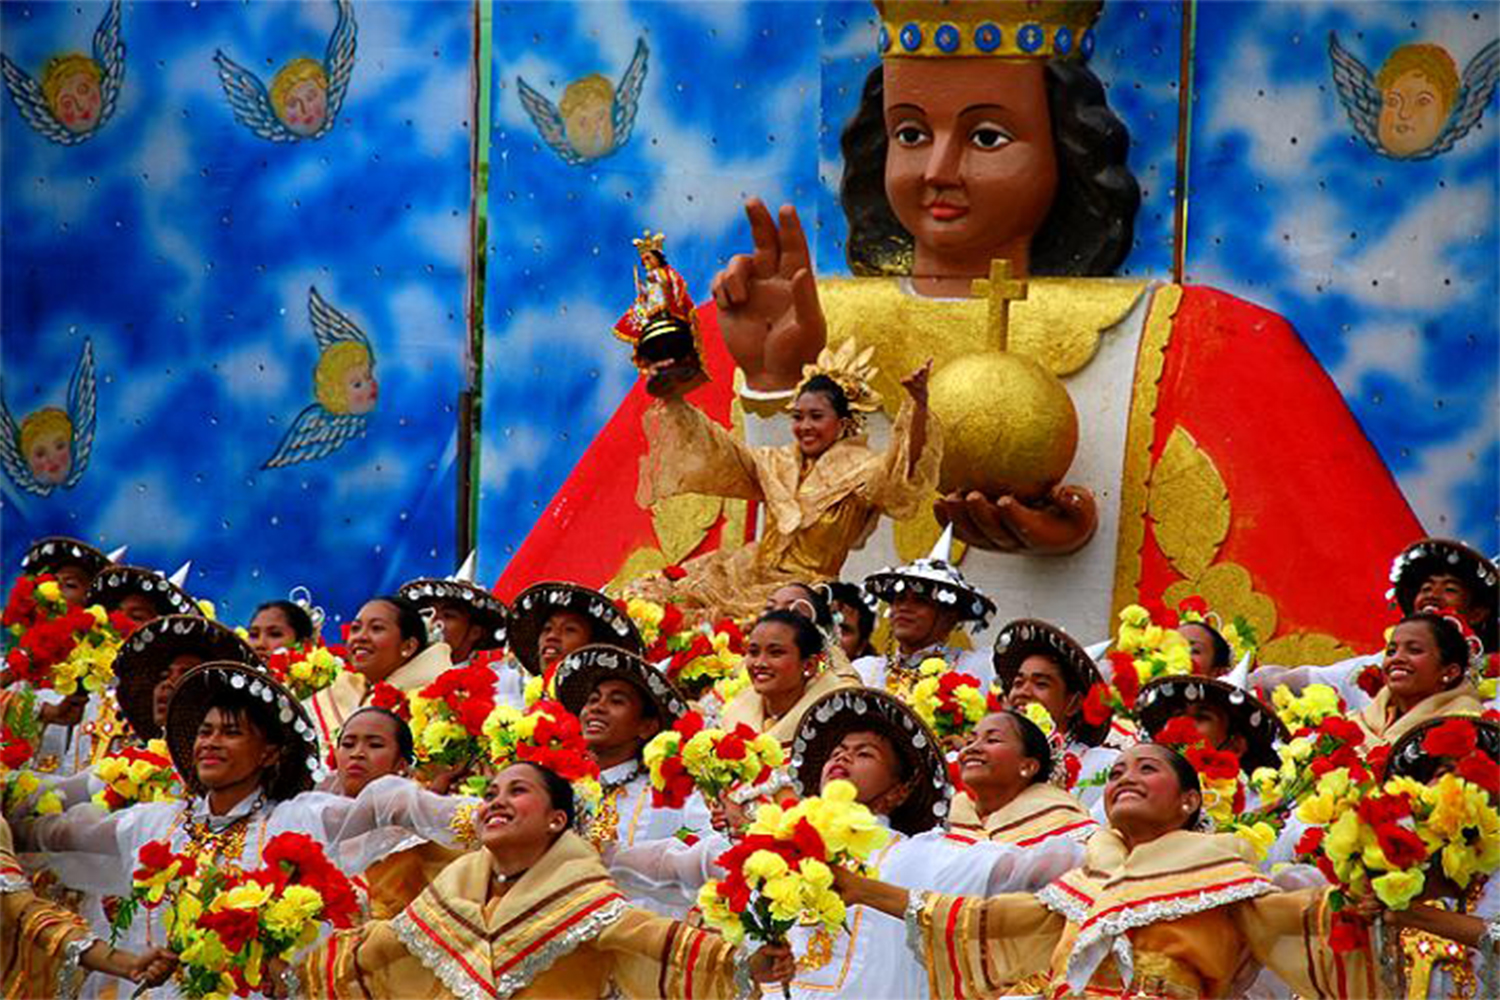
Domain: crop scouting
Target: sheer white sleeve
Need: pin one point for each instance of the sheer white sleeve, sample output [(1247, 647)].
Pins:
[(92, 850), (668, 871), (384, 816), (989, 869)]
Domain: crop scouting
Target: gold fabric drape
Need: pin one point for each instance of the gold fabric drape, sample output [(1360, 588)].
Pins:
[(1040, 812)]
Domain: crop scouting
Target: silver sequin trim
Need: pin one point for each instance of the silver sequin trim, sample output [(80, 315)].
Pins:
[(71, 973), (915, 940), (13, 883), (1112, 929), (462, 986)]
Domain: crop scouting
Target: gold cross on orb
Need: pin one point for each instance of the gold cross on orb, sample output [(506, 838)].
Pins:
[(1001, 289)]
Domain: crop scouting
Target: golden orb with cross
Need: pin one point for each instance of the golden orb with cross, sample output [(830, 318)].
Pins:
[(1009, 426)]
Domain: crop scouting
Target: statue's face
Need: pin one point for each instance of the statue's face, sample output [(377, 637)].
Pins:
[(1412, 114), (971, 170)]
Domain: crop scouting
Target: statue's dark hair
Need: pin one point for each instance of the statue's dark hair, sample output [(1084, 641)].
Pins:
[(1091, 224)]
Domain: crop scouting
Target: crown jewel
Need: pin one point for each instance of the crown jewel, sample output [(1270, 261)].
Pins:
[(946, 29), (650, 241)]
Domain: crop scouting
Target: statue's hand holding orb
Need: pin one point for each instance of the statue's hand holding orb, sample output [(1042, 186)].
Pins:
[(768, 302), (1057, 524)]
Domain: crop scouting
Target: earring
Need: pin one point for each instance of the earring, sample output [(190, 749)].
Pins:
[(1187, 809)]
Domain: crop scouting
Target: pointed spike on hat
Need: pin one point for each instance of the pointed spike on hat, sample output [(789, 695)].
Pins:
[(465, 573), (118, 555), (179, 578), (1240, 676), (944, 548), (1097, 649)]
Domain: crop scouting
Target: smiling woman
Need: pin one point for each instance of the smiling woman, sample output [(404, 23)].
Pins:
[(1102, 928), (1427, 676), (538, 892)]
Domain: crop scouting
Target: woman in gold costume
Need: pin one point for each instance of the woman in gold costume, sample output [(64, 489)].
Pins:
[(1426, 673), (1013, 775), (1156, 910), (533, 914), (788, 672), (45, 950), (822, 494)]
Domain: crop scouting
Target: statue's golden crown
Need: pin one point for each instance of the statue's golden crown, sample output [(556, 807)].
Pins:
[(851, 369), (949, 29), (650, 241)]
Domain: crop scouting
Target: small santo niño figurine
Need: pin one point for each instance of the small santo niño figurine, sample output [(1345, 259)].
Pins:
[(661, 324)]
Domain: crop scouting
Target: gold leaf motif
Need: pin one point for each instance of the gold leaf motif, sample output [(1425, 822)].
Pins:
[(681, 522), (1304, 649), (1228, 589), (642, 562), (1188, 505), (915, 537)]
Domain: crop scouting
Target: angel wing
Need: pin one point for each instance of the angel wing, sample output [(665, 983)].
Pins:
[(338, 63), (81, 413), (30, 102), (330, 325), (315, 434), (109, 53), (1473, 98), (12, 459), (249, 100), (1357, 92), (628, 93), (548, 122)]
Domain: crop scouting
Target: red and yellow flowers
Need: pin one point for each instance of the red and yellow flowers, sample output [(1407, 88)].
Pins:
[(448, 715), (948, 700), (781, 873), (137, 775), (689, 756), (549, 735), (226, 925), (306, 671)]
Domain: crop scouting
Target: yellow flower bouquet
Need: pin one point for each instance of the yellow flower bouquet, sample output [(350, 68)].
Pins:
[(781, 874)]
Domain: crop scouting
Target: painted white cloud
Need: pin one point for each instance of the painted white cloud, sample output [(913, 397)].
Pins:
[(1407, 267), (1285, 127), (148, 511), (1446, 469)]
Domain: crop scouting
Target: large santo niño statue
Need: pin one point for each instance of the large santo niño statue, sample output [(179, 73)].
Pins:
[(1104, 439)]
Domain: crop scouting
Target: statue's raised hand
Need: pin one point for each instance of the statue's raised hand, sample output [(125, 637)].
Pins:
[(1059, 523), (768, 302)]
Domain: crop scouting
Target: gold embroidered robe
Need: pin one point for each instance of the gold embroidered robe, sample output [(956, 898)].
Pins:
[(1039, 813), (1183, 917), (1380, 724), (563, 931), (34, 934), (816, 510)]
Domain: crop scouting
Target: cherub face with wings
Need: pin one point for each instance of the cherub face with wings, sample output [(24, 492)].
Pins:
[(587, 109), (70, 84), (47, 444), (1418, 85), (299, 96)]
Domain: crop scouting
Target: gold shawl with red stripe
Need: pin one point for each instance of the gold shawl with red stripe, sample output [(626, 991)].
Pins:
[(1038, 814), (1182, 916), (563, 930)]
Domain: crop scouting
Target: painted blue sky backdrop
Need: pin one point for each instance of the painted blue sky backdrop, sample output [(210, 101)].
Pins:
[(184, 246)]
